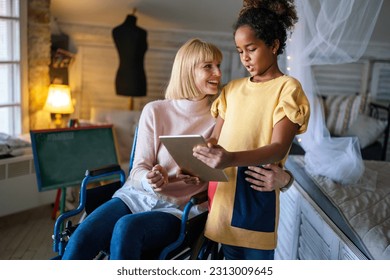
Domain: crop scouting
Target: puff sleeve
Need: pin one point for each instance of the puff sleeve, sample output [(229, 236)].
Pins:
[(294, 105), (218, 108)]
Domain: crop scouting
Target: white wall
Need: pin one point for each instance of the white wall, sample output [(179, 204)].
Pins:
[(381, 33), (92, 75)]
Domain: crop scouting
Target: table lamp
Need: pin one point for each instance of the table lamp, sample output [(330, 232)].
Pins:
[(59, 102)]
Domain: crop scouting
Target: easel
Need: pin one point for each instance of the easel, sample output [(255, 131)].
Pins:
[(56, 204), (59, 203), (57, 154)]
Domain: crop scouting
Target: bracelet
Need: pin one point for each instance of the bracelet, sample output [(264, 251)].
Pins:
[(286, 187)]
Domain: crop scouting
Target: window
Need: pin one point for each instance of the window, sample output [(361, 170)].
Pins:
[(380, 83), (10, 67)]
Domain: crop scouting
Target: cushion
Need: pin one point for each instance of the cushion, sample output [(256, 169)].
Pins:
[(367, 129), (341, 112)]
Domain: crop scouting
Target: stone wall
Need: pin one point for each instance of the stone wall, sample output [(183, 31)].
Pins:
[(38, 61)]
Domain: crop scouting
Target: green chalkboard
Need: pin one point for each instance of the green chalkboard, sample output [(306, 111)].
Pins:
[(61, 156)]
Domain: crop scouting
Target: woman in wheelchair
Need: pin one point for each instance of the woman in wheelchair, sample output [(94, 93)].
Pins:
[(144, 215)]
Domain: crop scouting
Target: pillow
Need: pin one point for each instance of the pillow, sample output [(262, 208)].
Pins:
[(341, 112), (367, 129)]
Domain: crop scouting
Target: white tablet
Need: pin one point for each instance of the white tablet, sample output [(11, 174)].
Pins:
[(180, 147)]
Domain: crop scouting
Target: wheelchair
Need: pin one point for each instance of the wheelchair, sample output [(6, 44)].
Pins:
[(190, 243)]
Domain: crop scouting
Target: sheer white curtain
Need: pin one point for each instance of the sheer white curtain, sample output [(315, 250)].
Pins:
[(329, 32)]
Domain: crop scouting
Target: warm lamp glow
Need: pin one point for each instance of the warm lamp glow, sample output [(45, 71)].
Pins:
[(59, 102)]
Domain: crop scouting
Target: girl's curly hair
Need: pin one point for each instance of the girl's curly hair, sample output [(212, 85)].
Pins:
[(270, 19)]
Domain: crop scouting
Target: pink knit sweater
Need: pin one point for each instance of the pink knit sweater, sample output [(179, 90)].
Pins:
[(164, 117)]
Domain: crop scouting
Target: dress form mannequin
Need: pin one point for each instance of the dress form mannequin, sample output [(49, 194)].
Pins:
[(131, 43)]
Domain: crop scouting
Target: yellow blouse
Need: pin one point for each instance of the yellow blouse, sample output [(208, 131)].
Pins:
[(250, 111)]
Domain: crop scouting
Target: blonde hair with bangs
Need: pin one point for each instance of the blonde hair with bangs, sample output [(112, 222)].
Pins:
[(182, 83)]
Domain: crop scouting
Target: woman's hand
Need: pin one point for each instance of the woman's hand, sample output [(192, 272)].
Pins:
[(157, 177), (188, 179), (267, 178)]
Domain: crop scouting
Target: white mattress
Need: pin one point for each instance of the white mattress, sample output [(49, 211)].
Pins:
[(365, 206)]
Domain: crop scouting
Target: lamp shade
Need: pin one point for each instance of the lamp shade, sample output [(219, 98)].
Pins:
[(59, 100)]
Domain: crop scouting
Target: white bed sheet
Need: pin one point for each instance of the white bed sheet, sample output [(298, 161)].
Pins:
[(365, 206)]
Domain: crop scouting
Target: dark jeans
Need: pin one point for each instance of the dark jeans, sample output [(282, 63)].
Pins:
[(240, 253), (113, 228)]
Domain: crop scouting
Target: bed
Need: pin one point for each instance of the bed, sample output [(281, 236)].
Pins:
[(358, 214)]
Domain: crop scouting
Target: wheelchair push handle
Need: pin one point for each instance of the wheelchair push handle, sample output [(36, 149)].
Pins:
[(199, 198), (103, 170)]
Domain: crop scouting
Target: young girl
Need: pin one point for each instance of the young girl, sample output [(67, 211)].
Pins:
[(257, 119)]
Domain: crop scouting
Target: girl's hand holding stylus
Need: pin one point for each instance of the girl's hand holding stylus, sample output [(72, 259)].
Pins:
[(213, 155)]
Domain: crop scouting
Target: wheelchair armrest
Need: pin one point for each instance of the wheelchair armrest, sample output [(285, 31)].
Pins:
[(196, 223), (194, 200), (102, 170), (199, 198), (94, 174)]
